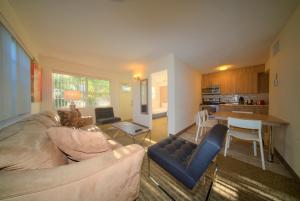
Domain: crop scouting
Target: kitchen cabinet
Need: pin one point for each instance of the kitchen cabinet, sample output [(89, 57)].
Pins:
[(239, 81), (256, 109), (263, 82)]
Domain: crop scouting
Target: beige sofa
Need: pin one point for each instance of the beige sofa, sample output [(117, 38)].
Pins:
[(33, 168)]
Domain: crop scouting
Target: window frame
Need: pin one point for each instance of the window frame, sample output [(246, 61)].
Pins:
[(86, 76)]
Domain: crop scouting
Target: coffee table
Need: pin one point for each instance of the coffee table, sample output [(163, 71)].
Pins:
[(132, 130)]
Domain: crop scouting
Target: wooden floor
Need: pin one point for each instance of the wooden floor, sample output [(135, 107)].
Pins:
[(159, 129)]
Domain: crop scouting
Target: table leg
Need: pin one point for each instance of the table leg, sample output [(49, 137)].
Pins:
[(148, 133), (116, 133), (271, 149)]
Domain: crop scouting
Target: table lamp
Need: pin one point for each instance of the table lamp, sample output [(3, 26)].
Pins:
[(70, 95)]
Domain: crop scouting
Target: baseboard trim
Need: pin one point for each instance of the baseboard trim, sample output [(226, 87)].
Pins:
[(287, 166), (185, 129)]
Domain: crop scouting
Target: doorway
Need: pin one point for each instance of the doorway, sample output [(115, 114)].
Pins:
[(159, 105), (125, 101)]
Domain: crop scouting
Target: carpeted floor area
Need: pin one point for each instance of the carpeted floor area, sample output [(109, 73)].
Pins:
[(235, 180), (231, 182)]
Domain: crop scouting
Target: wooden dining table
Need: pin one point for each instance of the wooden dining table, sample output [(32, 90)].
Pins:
[(267, 120)]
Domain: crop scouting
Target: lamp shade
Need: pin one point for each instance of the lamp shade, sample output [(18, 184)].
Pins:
[(72, 95)]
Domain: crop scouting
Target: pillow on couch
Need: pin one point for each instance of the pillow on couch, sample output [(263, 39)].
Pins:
[(69, 118), (78, 144)]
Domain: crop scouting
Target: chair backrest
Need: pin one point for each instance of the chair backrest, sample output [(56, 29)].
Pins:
[(243, 112), (206, 151), (106, 112), (243, 123), (205, 115), (201, 116)]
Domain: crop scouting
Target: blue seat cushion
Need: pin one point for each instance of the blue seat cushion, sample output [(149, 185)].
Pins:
[(173, 155), (187, 161)]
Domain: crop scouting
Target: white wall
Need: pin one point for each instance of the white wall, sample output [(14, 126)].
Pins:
[(155, 100), (184, 94), (158, 80), (285, 98), (10, 20), (185, 88), (55, 65), (164, 63)]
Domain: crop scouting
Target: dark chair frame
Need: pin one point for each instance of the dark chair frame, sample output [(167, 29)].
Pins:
[(105, 115), (205, 175), (186, 161)]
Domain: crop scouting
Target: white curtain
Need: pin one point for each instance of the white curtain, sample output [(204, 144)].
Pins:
[(14, 77)]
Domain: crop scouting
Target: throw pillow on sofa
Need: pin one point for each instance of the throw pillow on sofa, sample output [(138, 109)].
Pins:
[(78, 144), (69, 118)]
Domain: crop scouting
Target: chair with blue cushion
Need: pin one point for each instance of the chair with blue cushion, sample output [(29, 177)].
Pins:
[(184, 160)]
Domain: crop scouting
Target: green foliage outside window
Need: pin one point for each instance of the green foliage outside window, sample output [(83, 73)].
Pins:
[(94, 92)]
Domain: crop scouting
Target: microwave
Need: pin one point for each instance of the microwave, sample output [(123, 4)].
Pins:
[(215, 90)]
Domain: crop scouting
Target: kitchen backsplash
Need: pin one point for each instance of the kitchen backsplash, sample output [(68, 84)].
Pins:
[(234, 98)]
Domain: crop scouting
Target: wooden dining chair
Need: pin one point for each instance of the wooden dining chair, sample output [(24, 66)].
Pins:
[(203, 122), (250, 130)]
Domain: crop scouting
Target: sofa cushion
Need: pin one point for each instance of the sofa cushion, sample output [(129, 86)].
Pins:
[(92, 128), (46, 118), (28, 147), (78, 144), (54, 117)]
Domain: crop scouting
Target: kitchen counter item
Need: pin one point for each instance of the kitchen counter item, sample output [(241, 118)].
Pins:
[(261, 102), (241, 100)]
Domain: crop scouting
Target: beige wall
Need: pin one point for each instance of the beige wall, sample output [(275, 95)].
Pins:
[(285, 98), (55, 65)]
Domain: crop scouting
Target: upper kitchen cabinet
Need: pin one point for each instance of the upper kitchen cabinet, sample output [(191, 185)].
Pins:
[(242, 80), (263, 82)]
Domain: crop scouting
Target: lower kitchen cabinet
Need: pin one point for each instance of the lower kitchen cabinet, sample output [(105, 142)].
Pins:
[(256, 109)]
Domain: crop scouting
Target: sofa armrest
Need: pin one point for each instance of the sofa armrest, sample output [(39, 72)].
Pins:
[(85, 121), (114, 175)]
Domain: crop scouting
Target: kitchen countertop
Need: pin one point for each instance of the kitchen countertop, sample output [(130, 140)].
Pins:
[(267, 120), (235, 104)]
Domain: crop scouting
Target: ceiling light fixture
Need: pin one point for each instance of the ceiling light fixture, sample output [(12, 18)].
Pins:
[(137, 76), (223, 67)]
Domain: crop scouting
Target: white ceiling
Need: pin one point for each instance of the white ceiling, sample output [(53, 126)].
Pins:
[(203, 34)]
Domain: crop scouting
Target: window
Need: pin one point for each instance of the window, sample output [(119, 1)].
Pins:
[(126, 88), (84, 91), (14, 77)]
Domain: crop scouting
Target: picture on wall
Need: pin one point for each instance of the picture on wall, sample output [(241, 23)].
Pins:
[(36, 82)]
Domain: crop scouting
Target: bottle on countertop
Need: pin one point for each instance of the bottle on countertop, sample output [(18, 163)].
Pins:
[(241, 100)]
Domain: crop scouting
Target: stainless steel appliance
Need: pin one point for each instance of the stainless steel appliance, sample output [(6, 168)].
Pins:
[(211, 108), (215, 90)]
